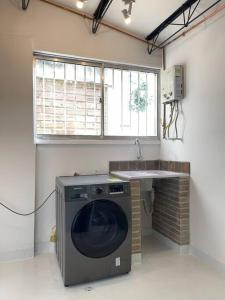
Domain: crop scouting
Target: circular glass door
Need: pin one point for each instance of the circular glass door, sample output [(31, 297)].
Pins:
[(99, 228)]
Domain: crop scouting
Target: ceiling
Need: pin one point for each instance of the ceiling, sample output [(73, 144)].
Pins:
[(146, 14)]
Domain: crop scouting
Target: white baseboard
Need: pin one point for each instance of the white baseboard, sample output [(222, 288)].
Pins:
[(20, 254), (44, 247), (136, 258), (182, 250), (190, 250), (207, 259)]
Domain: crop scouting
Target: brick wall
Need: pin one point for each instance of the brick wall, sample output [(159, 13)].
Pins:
[(175, 166), (134, 165), (171, 208), (67, 107)]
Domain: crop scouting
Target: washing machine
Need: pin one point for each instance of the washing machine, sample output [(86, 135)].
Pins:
[(93, 227)]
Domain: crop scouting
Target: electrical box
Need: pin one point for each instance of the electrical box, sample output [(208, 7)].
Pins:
[(172, 87)]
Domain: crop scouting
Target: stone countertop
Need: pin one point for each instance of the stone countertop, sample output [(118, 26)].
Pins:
[(151, 174)]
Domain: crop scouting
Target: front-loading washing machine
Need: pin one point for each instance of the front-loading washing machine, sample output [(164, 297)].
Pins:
[(93, 227)]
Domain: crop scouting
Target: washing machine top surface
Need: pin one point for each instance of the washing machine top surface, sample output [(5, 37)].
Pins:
[(88, 180)]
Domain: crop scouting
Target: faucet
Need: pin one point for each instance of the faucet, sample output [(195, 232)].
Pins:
[(139, 154)]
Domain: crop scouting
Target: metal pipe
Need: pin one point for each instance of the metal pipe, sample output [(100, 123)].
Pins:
[(139, 155), (164, 59), (86, 16)]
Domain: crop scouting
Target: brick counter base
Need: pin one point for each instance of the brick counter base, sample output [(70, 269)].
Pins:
[(171, 207), (136, 215)]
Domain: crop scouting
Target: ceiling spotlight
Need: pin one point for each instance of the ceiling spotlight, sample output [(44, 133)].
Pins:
[(127, 17), (127, 12), (80, 3)]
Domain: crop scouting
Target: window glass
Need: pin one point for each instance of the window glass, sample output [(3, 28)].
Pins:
[(70, 71), (69, 100), (63, 105), (130, 103)]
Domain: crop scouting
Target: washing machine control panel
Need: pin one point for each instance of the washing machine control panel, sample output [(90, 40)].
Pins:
[(116, 189), (99, 190), (110, 189), (83, 193)]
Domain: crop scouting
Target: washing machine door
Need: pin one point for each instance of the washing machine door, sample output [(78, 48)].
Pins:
[(99, 228)]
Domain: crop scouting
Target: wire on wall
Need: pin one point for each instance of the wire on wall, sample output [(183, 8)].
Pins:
[(171, 122), (32, 212)]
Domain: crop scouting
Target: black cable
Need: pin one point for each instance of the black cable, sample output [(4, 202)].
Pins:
[(30, 213)]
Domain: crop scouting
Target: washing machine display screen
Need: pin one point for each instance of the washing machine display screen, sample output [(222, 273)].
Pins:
[(99, 228)]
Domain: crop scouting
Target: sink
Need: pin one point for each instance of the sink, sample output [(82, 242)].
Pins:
[(147, 174)]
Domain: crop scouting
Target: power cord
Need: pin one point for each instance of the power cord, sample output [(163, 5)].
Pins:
[(30, 213)]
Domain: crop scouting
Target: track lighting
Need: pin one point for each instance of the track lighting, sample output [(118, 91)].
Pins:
[(127, 17), (80, 3), (127, 12)]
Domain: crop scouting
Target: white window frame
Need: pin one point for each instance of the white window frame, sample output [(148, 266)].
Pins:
[(93, 139)]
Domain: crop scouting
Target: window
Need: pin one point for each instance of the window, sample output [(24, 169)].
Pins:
[(84, 99)]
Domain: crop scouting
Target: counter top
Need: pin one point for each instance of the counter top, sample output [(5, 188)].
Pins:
[(140, 174)]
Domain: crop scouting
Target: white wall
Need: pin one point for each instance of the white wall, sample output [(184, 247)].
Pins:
[(43, 27), (203, 55), (17, 152), (49, 29)]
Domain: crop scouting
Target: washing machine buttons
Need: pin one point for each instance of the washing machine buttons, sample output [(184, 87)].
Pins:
[(99, 190)]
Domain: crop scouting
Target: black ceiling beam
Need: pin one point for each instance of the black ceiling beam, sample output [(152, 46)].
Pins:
[(187, 20), (25, 4), (101, 10), (188, 4)]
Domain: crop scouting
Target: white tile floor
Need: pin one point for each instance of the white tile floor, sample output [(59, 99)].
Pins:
[(163, 275)]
